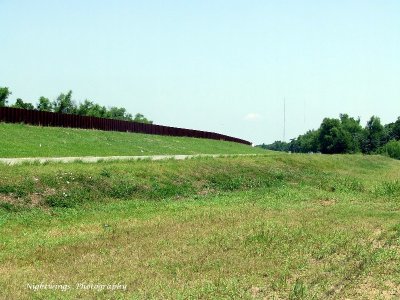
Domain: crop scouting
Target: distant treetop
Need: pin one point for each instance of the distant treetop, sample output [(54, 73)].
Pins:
[(64, 104), (343, 135)]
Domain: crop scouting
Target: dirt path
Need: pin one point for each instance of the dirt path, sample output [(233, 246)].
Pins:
[(93, 159)]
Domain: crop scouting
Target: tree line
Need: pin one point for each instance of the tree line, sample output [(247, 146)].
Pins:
[(65, 104), (346, 135)]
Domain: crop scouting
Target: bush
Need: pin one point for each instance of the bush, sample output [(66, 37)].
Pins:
[(8, 207), (123, 189), (388, 189), (391, 149), (68, 199)]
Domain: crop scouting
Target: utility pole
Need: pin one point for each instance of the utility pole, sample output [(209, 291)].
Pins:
[(284, 119)]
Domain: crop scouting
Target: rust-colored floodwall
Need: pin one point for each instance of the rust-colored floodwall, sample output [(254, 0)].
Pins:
[(43, 118)]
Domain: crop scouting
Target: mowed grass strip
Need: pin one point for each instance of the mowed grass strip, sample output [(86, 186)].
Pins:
[(19, 140), (276, 226)]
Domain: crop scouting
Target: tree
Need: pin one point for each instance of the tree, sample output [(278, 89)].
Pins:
[(395, 130), (332, 138), (4, 93), (355, 130), (89, 108), (118, 113), (374, 135), (64, 104), (19, 103), (389, 131), (276, 146), (44, 104), (391, 149), (97, 111), (306, 143), (142, 119), (84, 108)]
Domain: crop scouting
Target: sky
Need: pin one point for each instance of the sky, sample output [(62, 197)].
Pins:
[(222, 66)]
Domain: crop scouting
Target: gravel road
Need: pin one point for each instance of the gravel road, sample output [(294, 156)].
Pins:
[(93, 159)]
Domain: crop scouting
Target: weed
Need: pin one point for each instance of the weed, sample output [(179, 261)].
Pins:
[(262, 222), (105, 173), (298, 291), (7, 189), (68, 199), (123, 189), (9, 207), (388, 189)]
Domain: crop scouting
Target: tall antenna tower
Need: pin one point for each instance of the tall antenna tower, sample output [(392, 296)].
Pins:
[(284, 119)]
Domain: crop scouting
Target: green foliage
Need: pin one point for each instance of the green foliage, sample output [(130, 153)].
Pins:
[(333, 138), (345, 184), (391, 149), (142, 119), (393, 130), (343, 135), (305, 143), (298, 291), (276, 146), (161, 190), (23, 105), (7, 189), (89, 108), (122, 189), (9, 207), (96, 110), (226, 182), (118, 113), (291, 240), (17, 191), (64, 104), (4, 93), (389, 189), (353, 129), (84, 108), (68, 199), (395, 133), (77, 184), (44, 104), (375, 135)]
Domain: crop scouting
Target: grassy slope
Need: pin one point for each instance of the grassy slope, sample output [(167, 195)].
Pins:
[(284, 226), (18, 140)]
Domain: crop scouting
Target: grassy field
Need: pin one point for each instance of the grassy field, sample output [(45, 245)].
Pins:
[(277, 226), (18, 140)]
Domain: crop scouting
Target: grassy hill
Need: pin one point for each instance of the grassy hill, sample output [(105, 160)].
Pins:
[(18, 140), (271, 226)]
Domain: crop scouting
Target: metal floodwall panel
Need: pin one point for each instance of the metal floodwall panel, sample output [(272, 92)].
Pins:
[(42, 118)]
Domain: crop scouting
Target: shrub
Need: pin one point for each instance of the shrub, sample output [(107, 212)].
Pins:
[(388, 189), (68, 199), (123, 189), (391, 149), (8, 207)]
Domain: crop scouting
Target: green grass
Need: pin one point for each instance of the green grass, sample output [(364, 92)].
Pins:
[(18, 140), (274, 226)]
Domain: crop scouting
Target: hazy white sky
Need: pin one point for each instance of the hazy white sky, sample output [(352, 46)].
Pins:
[(222, 66)]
